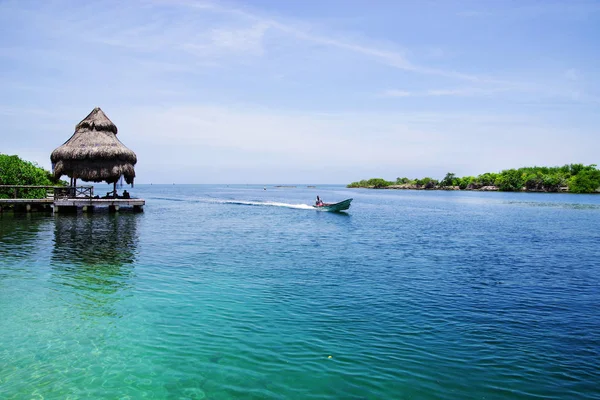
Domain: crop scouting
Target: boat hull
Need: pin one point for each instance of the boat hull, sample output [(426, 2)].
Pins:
[(335, 207)]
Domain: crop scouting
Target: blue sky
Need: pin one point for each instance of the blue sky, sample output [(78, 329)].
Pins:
[(271, 91)]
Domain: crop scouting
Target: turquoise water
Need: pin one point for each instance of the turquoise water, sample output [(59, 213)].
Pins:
[(223, 292)]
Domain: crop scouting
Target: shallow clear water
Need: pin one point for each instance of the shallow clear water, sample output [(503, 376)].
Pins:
[(235, 292)]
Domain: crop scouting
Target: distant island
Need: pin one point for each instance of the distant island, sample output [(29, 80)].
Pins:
[(572, 178)]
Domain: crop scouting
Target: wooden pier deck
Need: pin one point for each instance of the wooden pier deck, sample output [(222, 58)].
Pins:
[(60, 199)]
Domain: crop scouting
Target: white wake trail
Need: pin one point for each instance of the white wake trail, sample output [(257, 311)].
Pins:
[(266, 204)]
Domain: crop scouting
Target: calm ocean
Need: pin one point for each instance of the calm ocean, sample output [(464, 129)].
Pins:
[(223, 292)]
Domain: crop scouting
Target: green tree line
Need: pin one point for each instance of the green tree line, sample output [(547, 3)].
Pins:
[(578, 178), (15, 171)]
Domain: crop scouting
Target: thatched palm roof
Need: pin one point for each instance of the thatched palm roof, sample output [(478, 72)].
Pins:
[(94, 153)]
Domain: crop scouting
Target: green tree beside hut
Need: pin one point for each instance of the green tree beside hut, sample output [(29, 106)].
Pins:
[(16, 171)]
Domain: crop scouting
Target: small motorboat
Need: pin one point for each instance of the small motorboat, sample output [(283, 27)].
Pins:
[(341, 206)]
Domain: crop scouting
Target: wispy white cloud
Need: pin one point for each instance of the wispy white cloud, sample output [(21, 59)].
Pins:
[(574, 10), (531, 94), (227, 41), (396, 93), (302, 31), (461, 92), (241, 39)]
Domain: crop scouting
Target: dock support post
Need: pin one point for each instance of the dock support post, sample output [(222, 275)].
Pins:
[(138, 209), (88, 209), (113, 208)]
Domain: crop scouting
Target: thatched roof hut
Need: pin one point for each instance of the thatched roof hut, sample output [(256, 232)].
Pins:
[(94, 153)]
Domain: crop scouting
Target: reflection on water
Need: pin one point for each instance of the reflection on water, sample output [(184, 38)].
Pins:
[(572, 206), (95, 240), (19, 234), (93, 256)]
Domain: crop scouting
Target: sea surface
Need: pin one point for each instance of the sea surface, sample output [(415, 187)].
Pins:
[(225, 292)]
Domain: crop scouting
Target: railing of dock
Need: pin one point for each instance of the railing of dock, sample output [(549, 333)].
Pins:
[(55, 192), (74, 192)]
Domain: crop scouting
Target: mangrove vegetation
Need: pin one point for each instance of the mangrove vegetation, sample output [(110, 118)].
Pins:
[(573, 178)]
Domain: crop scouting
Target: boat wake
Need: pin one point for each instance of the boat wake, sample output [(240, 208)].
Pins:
[(265, 204), (239, 202)]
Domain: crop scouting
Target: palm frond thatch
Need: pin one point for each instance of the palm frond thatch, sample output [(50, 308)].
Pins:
[(94, 153)]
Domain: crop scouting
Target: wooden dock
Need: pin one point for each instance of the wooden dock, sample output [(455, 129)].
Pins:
[(64, 199)]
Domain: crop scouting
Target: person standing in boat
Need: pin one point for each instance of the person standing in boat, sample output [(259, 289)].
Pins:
[(319, 202)]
